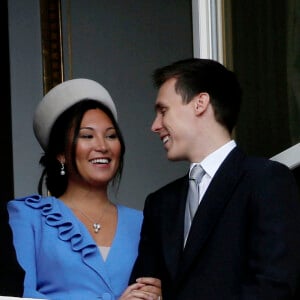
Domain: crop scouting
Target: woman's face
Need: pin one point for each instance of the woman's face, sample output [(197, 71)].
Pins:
[(98, 148)]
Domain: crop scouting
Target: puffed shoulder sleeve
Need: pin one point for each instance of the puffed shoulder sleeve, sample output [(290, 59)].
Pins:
[(23, 220)]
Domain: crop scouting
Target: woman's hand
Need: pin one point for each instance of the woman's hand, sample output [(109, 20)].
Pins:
[(146, 288)]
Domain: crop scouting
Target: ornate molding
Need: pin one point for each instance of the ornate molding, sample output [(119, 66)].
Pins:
[(52, 49)]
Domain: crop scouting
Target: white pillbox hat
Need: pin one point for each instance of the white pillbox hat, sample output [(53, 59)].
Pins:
[(62, 97)]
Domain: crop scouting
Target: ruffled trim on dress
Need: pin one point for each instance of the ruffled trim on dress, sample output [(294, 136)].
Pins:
[(58, 215)]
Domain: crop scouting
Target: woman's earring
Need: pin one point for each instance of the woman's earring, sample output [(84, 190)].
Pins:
[(62, 169)]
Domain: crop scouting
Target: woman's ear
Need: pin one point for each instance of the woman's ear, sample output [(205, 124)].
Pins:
[(201, 103), (61, 158)]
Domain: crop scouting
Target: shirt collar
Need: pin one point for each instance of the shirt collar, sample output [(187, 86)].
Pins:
[(212, 162)]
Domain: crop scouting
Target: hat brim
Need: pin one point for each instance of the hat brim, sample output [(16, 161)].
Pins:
[(62, 97)]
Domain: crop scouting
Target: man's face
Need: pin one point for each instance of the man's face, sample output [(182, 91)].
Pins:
[(174, 122)]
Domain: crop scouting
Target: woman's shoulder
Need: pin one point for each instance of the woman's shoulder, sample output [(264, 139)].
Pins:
[(29, 200), (22, 201), (23, 198), (130, 211), (130, 217), (30, 204), (25, 208)]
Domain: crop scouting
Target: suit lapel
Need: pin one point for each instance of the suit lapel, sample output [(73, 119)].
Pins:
[(173, 224), (211, 207)]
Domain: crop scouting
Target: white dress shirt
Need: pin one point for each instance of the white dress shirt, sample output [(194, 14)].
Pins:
[(211, 164)]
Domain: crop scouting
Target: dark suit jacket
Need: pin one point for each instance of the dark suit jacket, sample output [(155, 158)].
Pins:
[(244, 242), (11, 274)]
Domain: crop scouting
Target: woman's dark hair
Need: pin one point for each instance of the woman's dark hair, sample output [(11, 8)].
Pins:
[(69, 123)]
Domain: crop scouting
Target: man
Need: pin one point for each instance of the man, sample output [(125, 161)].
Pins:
[(244, 239)]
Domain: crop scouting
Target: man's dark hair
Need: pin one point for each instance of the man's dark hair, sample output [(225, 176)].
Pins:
[(197, 75)]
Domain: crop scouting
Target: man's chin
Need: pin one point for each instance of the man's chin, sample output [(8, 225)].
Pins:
[(173, 157)]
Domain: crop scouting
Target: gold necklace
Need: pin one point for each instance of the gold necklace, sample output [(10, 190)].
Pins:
[(95, 224)]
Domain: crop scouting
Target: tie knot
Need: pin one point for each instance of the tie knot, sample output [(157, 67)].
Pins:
[(197, 173)]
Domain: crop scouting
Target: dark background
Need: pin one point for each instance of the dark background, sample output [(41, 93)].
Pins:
[(6, 174)]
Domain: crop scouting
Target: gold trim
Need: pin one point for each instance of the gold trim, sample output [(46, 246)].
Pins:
[(69, 36), (52, 50)]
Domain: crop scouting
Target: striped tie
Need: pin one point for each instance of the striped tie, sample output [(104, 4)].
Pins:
[(192, 202)]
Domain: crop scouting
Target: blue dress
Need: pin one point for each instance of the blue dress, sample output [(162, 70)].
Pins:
[(60, 257)]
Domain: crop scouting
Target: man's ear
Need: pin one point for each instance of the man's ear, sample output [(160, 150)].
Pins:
[(201, 102)]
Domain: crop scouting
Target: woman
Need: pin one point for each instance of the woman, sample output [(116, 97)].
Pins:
[(77, 244)]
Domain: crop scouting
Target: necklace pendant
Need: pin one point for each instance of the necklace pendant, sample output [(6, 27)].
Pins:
[(96, 227)]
